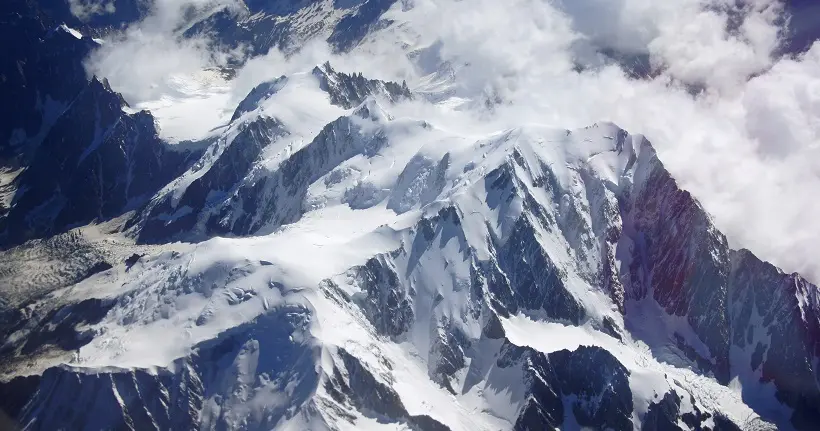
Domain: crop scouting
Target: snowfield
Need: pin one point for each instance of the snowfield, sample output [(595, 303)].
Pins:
[(335, 251), (376, 206)]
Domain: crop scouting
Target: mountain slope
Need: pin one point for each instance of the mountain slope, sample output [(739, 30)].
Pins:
[(492, 274), (69, 154), (344, 254)]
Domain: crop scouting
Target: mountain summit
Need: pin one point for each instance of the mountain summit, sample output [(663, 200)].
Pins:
[(347, 251)]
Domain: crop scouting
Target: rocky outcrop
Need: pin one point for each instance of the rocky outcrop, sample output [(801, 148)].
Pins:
[(775, 330), (359, 388), (257, 95), (246, 362), (42, 73), (679, 258), (81, 157), (216, 174), (227, 197), (589, 382), (752, 318), (386, 302), (95, 163), (277, 198), (349, 91), (351, 29)]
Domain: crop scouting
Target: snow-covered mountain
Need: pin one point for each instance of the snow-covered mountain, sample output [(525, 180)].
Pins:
[(343, 254)]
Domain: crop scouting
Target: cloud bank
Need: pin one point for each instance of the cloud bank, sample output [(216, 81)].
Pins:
[(85, 9), (141, 60), (735, 122)]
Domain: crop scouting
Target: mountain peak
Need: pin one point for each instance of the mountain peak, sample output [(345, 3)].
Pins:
[(351, 90), (343, 254)]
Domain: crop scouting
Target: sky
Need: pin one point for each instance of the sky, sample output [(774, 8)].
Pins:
[(736, 123)]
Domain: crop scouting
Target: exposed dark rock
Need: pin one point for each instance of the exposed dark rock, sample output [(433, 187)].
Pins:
[(612, 329), (789, 317), (97, 268), (42, 73), (349, 91), (663, 415), (386, 302), (181, 397), (538, 284), (426, 423), (84, 158), (680, 258), (589, 380), (258, 94), (170, 219), (132, 260), (722, 423), (493, 330), (243, 204), (276, 198), (354, 27), (362, 390), (59, 328), (447, 353), (15, 393), (95, 163)]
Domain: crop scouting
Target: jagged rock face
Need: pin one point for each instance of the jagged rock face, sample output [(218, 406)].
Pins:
[(250, 364), (349, 91), (594, 381), (42, 73), (362, 390), (666, 415), (225, 164), (775, 332), (274, 199), (95, 162), (229, 194), (681, 260), (385, 302), (82, 158), (663, 415), (589, 384), (732, 300), (534, 278), (355, 26)]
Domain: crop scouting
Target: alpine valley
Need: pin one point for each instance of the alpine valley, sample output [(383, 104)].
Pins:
[(341, 251)]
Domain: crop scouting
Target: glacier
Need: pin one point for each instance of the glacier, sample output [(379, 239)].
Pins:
[(338, 254)]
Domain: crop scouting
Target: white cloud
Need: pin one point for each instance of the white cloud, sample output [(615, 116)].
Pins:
[(746, 146), (85, 9), (140, 60)]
